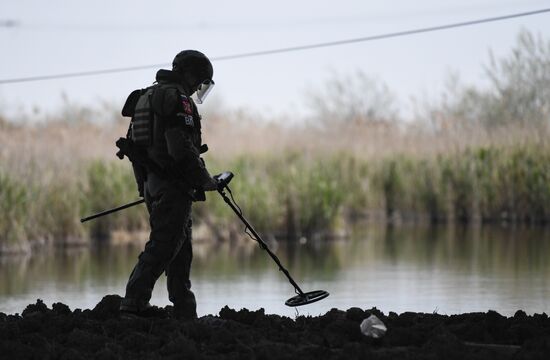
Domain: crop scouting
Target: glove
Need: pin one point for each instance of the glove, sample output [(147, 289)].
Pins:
[(210, 185)]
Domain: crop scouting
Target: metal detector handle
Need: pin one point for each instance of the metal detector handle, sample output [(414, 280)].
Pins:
[(224, 179)]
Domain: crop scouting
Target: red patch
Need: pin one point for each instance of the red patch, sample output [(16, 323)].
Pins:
[(187, 108)]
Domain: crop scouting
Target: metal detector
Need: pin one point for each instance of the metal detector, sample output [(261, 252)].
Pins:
[(301, 298), (223, 179)]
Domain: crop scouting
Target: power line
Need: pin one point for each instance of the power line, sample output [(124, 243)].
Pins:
[(285, 50)]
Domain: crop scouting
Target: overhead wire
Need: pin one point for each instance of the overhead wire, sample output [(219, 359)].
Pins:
[(285, 49)]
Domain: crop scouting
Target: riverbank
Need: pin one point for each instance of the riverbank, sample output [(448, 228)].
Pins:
[(41, 332), (291, 195)]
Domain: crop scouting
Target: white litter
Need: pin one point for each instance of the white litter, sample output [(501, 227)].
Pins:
[(373, 327)]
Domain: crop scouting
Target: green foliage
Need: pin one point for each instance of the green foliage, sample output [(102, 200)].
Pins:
[(486, 184), (111, 184), (313, 194), (14, 199), (300, 195), (55, 212), (287, 195)]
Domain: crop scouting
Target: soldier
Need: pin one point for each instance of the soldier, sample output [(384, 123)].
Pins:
[(165, 137)]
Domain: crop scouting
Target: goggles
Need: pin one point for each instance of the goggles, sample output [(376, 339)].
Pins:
[(203, 90)]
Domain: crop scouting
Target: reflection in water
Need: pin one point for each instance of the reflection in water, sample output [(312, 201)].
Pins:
[(444, 269)]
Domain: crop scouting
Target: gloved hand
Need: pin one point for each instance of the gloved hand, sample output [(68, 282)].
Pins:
[(210, 185)]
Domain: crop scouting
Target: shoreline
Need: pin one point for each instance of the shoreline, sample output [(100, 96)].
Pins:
[(205, 233), (58, 332)]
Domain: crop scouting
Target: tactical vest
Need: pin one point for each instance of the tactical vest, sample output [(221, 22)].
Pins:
[(147, 128), (141, 126), (138, 107)]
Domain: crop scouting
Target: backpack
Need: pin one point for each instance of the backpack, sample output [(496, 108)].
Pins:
[(139, 135), (138, 107)]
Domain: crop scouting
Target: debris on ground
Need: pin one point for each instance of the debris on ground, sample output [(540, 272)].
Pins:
[(373, 327)]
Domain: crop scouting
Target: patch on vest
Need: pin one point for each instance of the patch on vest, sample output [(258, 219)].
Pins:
[(189, 120), (187, 108)]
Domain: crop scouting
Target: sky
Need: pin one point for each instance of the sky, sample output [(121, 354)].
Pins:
[(69, 36)]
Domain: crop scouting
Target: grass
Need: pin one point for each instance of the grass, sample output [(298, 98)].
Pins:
[(107, 185), (13, 201), (303, 189)]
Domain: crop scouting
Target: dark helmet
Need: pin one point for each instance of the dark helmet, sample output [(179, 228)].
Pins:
[(196, 72), (193, 64)]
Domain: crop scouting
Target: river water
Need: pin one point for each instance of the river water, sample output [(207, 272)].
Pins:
[(444, 270)]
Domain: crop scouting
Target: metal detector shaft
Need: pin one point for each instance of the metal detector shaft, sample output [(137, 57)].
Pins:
[(263, 245), (110, 211)]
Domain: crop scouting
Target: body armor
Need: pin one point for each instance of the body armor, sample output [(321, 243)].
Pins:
[(166, 127), (141, 126)]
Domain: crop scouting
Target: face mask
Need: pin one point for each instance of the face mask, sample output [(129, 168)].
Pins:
[(203, 90)]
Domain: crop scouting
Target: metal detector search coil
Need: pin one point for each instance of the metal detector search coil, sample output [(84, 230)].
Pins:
[(306, 298), (301, 298)]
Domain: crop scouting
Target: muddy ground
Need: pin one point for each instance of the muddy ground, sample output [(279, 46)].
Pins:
[(59, 333)]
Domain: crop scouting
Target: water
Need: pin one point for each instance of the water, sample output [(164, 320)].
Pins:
[(444, 270)]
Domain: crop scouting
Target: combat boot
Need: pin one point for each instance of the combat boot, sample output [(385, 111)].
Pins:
[(185, 309), (140, 286), (132, 308)]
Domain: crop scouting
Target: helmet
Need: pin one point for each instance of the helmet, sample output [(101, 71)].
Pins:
[(195, 62), (196, 71)]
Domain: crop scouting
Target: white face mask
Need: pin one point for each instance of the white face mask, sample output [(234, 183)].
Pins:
[(203, 90)]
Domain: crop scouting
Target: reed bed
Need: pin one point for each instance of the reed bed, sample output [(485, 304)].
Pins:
[(288, 188)]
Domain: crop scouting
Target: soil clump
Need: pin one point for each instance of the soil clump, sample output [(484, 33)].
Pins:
[(59, 333)]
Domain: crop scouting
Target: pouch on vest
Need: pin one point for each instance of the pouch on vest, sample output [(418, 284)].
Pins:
[(131, 102), (142, 122)]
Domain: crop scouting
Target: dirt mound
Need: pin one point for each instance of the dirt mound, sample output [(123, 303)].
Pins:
[(59, 333)]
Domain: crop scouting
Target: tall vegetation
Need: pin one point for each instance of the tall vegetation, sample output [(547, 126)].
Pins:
[(517, 95)]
